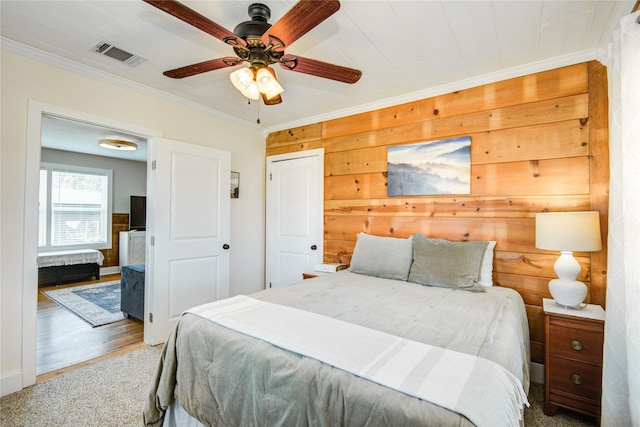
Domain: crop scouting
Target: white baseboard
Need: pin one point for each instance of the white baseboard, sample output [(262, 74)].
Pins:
[(536, 372), (10, 384), (109, 270)]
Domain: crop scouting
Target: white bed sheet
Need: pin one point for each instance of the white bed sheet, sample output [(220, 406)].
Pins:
[(176, 416)]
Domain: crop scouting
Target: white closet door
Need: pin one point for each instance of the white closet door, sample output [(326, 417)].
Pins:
[(294, 215)]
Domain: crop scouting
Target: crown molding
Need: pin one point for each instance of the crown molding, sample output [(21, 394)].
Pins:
[(67, 64), (508, 73)]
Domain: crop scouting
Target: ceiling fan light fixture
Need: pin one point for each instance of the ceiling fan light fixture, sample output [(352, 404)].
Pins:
[(261, 44), (118, 144), (253, 83), (267, 83)]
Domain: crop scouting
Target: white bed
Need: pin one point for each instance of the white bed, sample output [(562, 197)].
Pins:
[(224, 375)]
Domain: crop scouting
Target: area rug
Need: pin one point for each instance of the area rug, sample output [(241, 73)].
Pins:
[(97, 304)]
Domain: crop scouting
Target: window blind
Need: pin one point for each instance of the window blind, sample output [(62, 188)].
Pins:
[(74, 207)]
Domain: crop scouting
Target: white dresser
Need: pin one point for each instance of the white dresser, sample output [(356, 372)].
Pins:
[(132, 247)]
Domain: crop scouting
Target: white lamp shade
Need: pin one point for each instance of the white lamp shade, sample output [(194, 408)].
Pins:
[(568, 231)]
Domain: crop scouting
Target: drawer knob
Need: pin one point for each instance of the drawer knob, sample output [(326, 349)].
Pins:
[(576, 379), (576, 345)]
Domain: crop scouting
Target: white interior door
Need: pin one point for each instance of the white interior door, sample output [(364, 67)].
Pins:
[(187, 232), (295, 195)]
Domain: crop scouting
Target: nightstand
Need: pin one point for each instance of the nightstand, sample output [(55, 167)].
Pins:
[(573, 358)]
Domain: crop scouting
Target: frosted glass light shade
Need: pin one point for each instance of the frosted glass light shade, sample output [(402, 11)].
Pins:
[(251, 91), (243, 80), (267, 83)]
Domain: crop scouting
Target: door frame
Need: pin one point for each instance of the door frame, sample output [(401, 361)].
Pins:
[(319, 154), (35, 111)]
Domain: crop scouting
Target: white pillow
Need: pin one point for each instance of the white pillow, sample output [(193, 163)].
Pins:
[(386, 257), (486, 271)]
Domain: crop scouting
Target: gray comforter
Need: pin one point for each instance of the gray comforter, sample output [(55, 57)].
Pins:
[(224, 378)]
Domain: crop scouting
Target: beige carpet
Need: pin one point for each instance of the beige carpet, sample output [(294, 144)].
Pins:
[(534, 417), (112, 393), (107, 394)]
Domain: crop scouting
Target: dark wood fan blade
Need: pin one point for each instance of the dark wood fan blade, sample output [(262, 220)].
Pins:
[(191, 17), (321, 69), (301, 18), (202, 67)]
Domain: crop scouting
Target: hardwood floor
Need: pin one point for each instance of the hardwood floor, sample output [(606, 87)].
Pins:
[(65, 342)]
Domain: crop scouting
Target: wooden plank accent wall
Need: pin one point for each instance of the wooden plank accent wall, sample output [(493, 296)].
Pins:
[(119, 222), (538, 143)]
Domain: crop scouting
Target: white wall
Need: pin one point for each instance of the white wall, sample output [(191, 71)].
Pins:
[(24, 79), (129, 177)]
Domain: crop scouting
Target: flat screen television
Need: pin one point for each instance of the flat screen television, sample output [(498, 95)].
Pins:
[(138, 213)]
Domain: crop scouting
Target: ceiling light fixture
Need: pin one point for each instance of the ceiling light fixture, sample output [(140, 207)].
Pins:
[(252, 82), (118, 144), (261, 44)]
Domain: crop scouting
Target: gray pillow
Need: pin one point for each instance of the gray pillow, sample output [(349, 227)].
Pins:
[(386, 257), (438, 262)]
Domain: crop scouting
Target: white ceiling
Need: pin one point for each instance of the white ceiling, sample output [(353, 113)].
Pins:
[(406, 49), (68, 135)]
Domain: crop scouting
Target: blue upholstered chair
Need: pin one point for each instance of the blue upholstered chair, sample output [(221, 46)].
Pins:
[(132, 291)]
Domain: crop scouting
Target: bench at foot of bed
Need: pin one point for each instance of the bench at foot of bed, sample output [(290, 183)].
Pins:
[(56, 268)]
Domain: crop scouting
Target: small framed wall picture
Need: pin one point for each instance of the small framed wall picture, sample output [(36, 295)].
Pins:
[(235, 185)]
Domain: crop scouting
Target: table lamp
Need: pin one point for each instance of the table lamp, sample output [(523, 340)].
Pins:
[(568, 232)]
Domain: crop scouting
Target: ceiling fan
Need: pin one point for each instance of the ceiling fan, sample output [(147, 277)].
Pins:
[(261, 45)]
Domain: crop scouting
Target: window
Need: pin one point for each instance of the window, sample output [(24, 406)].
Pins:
[(74, 207)]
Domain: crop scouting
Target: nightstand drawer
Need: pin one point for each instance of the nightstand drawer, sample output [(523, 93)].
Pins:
[(584, 406), (575, 343), (576, 378)]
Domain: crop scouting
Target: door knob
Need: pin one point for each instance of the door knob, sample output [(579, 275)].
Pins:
[(314, 247), (225, 246)]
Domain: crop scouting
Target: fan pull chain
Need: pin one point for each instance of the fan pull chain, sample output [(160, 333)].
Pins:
[(249, 103)]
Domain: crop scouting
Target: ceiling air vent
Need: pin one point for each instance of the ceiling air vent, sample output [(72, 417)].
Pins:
[(111, 51)]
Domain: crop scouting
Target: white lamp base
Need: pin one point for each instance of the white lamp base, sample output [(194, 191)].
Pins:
[(568, 293)]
